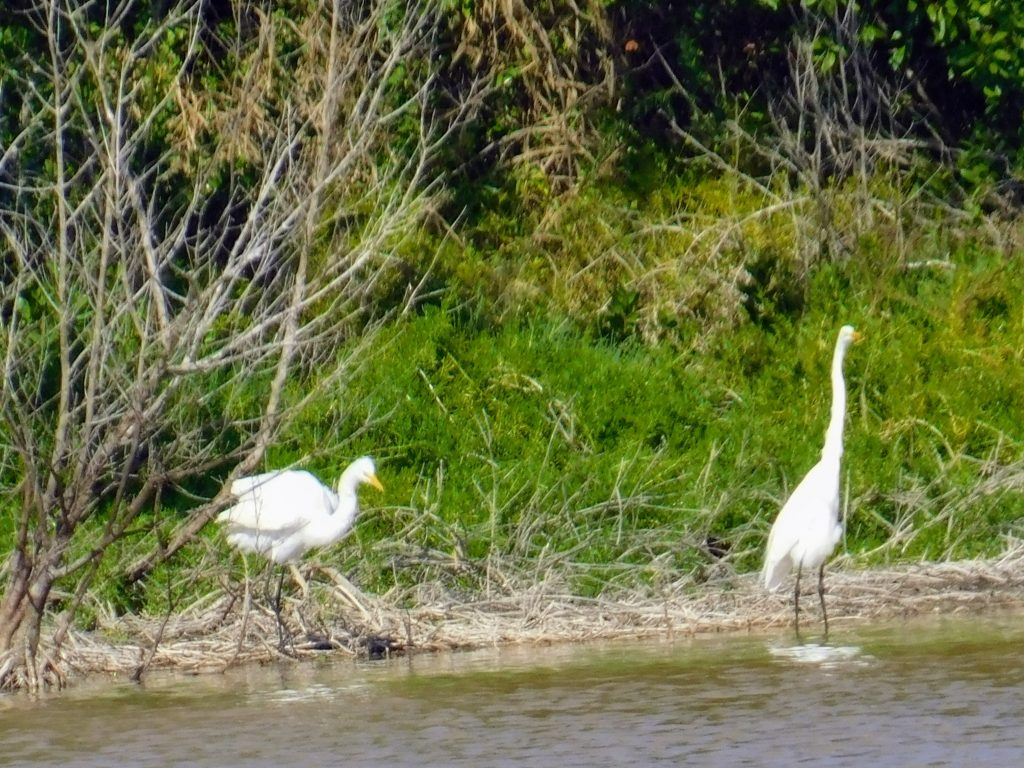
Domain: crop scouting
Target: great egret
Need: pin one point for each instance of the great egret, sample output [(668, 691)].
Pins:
[(282, 515), (808, 526)]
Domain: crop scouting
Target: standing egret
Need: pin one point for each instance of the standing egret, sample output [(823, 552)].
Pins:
[(282, 515), (808, 526)]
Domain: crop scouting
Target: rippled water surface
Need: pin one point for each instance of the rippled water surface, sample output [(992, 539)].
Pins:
[(941, 693)]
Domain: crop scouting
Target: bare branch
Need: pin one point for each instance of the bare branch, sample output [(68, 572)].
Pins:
[(181, 235)]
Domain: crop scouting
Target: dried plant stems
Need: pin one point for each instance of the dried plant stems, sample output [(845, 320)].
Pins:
[(225, 633)]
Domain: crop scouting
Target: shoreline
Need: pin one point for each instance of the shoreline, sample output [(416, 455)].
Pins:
[(219, 633)]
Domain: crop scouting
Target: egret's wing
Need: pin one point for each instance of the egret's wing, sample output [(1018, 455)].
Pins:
[(777, 562), (806, 512), (279, 502), (787, 529), (243, 484)]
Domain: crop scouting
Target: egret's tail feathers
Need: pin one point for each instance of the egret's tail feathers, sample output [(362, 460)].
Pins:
[(246, 512), (774, 573)]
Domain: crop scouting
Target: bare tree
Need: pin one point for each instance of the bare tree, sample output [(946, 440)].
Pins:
[(167, 242)]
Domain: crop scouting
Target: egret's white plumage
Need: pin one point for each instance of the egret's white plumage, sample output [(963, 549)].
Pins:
[(808, 526), (282, 515)]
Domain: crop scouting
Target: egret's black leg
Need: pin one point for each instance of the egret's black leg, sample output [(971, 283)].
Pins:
[(266, 583), (277, 613), (821, 596), (796, 601)]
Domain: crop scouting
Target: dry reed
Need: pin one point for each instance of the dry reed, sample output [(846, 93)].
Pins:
[(227, 629)]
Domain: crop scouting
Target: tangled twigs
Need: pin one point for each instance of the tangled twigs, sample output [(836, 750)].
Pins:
[(227, 632)]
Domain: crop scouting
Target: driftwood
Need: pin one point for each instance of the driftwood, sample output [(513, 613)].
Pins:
[(226, 630)]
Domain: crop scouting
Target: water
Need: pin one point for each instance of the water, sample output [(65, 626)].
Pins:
[(922, 694)]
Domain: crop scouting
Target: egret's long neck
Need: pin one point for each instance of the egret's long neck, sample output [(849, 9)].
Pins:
[(341, 519), (347, 496), (834, 436)]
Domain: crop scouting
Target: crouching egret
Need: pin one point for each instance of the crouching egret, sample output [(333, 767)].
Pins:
[(282, 515), (808, 526)]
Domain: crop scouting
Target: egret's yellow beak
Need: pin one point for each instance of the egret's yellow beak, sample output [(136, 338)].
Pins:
[(857, 336), (372, 480)]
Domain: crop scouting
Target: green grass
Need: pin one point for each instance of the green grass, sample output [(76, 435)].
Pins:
[(551, 451), (588, 440)]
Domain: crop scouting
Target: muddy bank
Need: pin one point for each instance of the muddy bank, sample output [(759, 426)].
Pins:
[(225, 630)]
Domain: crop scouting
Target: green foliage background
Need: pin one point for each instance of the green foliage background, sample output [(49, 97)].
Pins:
[(601, 375)]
